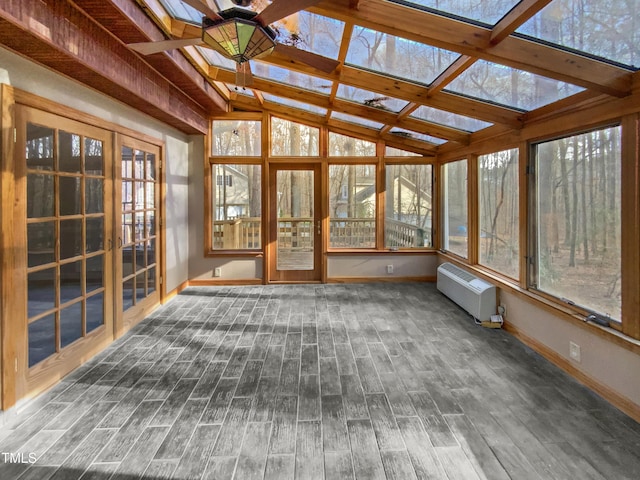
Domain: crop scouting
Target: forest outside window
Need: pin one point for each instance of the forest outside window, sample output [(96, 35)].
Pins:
[(409, 206), (578, 220), (291, 139), (236, 138), (499, 212), (455, 214), (237, 207), (352, 206)]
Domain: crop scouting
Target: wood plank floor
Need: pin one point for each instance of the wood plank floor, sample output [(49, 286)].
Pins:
[(319, 381)]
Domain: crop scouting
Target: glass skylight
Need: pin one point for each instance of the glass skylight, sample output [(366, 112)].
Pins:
[(402, 133), (304, 30), (370, 99), (295, 104), (605, 28), (484, 12), (217, 60), (289, 77), (397, 56), (448, 119), (182, 11), (356, 120), (508, 86)]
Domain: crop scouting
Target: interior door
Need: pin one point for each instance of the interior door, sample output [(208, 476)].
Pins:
[(62, 235), (295, 224), (137, 270)]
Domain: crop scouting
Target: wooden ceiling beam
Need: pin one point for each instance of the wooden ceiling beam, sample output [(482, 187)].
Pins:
[(66, 40), (419, 94), (244, 102), (128, 22), (352, 108), (475, 41), (450, 74), (518, 15)]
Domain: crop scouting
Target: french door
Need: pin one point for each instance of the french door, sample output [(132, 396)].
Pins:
[(295, 231), (137, 221), (62, 303)]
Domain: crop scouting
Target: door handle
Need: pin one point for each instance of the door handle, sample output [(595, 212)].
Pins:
[(119, 242), (110, 245)]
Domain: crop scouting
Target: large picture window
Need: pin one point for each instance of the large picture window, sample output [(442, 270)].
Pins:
[(352, 206), (455, 215), (499, 212), (577, 222), (409, 203), (237, 206)]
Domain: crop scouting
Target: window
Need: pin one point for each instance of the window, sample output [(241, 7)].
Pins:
[(499, 214), (408, 210), (352, 206), (226, 180), (344, 146), (290, 139), (577, 221), (236, 138), (237, 207), (455, 208)]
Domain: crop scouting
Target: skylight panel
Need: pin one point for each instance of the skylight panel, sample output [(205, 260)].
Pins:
[(289, 77), (303, 30), (488, 13), (356, 120), (396, 56), (295, 104), (448, 119), (217, 60), (604, 28), (370, 99), (402, 133), (510, 87), (182, 11)]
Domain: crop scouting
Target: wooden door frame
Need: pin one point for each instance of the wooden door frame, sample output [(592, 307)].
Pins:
[(272, 274)]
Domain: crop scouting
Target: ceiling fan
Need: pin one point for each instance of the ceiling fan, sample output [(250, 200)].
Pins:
[(242, 35)]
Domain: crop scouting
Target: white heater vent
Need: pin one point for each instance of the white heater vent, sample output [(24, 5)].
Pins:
[(474, 295)]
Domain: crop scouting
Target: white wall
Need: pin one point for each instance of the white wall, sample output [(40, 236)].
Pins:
[(31, 77), (602, 360), (376, 266)]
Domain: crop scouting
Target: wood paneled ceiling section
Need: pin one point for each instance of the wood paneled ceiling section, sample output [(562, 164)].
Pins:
[(63, 37)]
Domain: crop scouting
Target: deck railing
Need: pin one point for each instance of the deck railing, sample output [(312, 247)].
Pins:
[(297, 233)]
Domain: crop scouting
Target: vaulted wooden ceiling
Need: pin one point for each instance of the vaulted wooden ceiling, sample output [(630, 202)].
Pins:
[(487, 64)]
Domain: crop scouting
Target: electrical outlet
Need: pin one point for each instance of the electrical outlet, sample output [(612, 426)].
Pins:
[(502, 309), (217, 272), (389, 268), (574, 351)]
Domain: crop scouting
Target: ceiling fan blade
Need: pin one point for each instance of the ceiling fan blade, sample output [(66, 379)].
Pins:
[(148, 48), (324, 64), (279, 9), (203, 7), (244, 77)]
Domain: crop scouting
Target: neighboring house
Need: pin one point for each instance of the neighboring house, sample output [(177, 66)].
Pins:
[(232, 193)]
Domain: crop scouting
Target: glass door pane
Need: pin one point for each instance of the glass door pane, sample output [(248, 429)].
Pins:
[(66, 230), (295, 214), (138, 217)]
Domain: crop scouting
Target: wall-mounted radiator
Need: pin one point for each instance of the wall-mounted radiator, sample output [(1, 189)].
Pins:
[(474, 295)]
